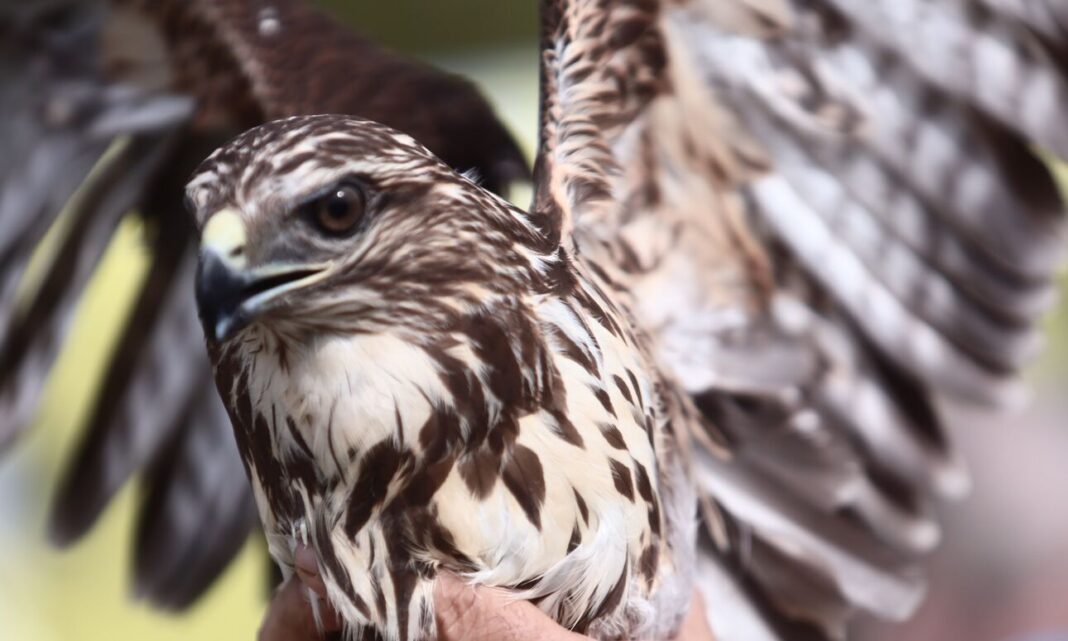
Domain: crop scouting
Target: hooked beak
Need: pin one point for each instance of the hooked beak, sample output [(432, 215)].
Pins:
[(231, 294)]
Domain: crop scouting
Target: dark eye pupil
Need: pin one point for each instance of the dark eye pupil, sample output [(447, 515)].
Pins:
[(338, 211), (339, 204)]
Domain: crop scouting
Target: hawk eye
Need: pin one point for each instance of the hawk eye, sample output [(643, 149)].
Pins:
[(339, 210)]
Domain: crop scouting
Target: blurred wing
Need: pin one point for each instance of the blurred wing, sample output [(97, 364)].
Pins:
[(109, 107), (828, 215), (195, 493)]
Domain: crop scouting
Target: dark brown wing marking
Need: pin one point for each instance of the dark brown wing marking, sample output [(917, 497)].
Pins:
[(828, 214)]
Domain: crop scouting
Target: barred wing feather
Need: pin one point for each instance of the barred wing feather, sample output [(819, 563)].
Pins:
[(828, 215)]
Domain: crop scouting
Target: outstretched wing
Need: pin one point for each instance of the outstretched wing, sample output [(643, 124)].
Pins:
[(828, 214), (157, 85)]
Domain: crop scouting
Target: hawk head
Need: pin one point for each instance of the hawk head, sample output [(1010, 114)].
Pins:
[(336, 224)]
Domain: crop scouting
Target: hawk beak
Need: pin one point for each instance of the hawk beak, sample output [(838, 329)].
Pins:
[(231, 294)]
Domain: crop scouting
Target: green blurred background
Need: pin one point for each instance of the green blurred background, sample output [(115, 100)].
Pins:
[(83, 593)]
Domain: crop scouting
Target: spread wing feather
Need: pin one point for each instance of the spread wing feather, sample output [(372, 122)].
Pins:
[(161, 84), (145, 396), (828, 214), (195, 494), (32, 338)]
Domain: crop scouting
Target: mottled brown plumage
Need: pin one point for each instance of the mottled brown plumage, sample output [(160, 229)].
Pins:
[(248, 61), (174, 79), (439, 386), (829, 218), (786, 228)]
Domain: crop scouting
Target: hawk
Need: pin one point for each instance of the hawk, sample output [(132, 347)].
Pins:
[(160, 83), (766, 238)]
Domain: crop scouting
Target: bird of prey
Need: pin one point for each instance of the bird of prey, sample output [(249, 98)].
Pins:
[(768, 237), (143, 90)]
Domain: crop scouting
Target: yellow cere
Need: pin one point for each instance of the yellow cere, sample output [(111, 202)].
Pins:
[(224, 234)]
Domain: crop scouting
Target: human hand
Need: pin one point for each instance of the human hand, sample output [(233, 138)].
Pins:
[(464, 613)]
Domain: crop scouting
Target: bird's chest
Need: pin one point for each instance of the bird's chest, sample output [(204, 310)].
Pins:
[(320, 416), (389, 455)]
